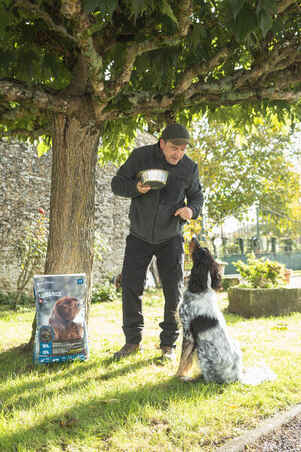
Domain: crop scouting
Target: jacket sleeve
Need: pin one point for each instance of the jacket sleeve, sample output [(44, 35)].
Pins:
[(124, 183), (194, 194)]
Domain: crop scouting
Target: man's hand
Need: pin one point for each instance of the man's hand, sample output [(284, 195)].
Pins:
[(143, 188), (184, 212)]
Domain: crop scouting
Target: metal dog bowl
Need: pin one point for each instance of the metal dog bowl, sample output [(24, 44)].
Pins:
[(156, 178)]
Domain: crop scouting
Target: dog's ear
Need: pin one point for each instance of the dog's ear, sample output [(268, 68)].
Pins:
[(199, 272), (203, 262), (213, 267), (216, 278)]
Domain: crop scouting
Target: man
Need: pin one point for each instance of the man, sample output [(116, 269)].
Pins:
[(157, 218)]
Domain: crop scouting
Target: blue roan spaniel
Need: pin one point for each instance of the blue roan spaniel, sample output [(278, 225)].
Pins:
[(204, 327)]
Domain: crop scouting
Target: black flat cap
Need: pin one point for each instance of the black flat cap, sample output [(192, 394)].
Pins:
[(176, 133)]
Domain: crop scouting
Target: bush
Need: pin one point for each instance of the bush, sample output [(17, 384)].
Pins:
[(31, 250), (260, 273), (10, 299), (104, 292), (229, 282)]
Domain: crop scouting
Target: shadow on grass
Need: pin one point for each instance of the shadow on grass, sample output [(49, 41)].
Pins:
[(15, 364), (100, 416), (105, 412), (15, 359), (103, 416)]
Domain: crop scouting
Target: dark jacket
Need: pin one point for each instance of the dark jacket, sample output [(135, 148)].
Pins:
[(152, 214)]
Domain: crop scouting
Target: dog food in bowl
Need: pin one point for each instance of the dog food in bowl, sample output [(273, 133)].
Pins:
[(156, 178)]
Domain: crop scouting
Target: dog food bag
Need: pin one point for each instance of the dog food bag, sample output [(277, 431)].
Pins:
[(61, 332)]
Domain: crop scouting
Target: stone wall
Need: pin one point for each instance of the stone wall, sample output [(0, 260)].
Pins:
[(25, 186)]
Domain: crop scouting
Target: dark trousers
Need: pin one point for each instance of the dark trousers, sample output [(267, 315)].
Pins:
[(170, 262)]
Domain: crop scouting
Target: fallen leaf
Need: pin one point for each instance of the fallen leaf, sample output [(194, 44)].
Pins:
[(109, 401)]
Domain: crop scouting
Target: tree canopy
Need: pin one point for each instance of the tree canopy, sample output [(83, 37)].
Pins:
[(122, 64), (80, 72)]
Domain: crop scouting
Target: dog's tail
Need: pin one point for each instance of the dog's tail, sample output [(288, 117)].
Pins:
[(256, 375)]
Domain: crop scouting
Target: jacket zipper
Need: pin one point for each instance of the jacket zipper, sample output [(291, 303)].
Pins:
[(156, 215)]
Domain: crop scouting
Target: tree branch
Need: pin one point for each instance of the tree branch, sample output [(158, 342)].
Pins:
[(277, 60), (288, 95), (103, 90), (184, 16), (133, 51), (207, 94), (13, 91), (36, 11), (196, 71), (72, 10), (27, 133), (283, 5)]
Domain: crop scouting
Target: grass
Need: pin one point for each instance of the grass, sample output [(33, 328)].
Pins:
[(137, 404)]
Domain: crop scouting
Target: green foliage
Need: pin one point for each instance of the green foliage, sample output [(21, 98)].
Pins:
[(238, 169), (260, 273), (42, 45), (248, 20), (11, 297), (229, 282), (103, 6), (43, 146), (117, 140), (104, 292), (31, 250)]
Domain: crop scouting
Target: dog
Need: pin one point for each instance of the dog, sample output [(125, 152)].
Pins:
[(204, 327), (63, 313)]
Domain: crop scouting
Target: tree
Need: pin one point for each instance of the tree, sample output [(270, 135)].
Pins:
[(75, 71), (285, 223), (241, 169)]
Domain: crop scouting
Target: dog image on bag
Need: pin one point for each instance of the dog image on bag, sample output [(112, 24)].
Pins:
[(204, 328), (62, 319)]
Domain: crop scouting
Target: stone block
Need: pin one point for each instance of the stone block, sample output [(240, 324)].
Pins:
[(264, 302)]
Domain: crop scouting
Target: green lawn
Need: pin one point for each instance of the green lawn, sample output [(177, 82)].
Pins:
[(137, 404)]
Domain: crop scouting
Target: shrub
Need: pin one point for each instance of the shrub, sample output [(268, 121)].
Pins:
[(5, 298), (260, 272), (10, 299), (31, 250), (103, 292), (229, 282)]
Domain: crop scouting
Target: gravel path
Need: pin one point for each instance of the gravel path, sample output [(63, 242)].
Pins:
[(285, 438), (279, 433)]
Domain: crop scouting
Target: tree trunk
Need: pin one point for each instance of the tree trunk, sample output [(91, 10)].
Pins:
[(71, 227)]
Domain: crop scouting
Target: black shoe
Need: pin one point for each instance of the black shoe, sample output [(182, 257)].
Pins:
[(126, 350)]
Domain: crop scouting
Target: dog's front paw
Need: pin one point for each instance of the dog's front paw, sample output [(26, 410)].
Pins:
[(185, 379)]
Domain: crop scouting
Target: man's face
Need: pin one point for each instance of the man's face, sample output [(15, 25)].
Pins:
[(172, 153)]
